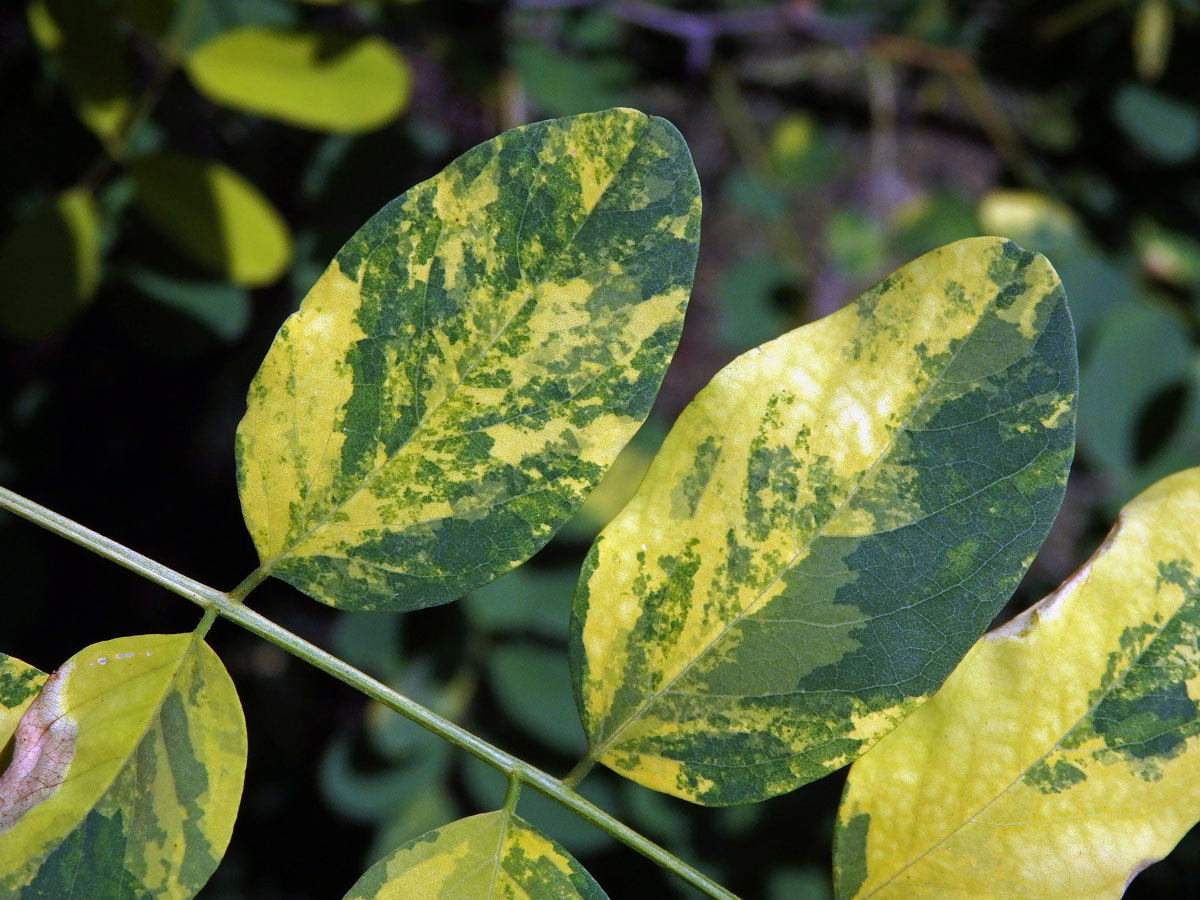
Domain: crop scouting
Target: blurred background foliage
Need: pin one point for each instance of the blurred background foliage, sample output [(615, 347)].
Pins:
[(176, 173)]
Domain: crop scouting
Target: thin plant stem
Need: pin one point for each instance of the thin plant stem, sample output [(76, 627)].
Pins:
[(580, 772), (224, 605)]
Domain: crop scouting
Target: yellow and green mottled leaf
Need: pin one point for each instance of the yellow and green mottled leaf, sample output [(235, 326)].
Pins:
[(125, 775), (828, 527), (313, 78), (1063, 755), (50, 266), (19, 685), (83, 39), (214, 215), (471, 363), (496, 854)]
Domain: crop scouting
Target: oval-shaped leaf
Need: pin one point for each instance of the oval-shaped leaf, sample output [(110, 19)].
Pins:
[(214, 215), (19, 685), (471, 363), (496, 854), (50, 266), (829, 525), (126, 773), (316, 79), (83, 38), (1063, 755)]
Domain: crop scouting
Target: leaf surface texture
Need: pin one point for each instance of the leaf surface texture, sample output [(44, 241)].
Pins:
[(1060, 758), (471, 363), (828, 527)]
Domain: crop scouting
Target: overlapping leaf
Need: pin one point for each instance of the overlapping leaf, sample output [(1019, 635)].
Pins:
[(317, 79), (1061, 757), (828, 527), (125, 775), (491, 855), (471, 363)]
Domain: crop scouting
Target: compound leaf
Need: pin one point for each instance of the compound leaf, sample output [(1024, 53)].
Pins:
[(828, 527), (471, 363), (313, 78), (125, 775), (496, 854), (19, 685), (1060, 758)]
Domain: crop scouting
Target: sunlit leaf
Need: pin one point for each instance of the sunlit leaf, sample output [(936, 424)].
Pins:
[(471, 363), (19, 685), (83, 38), (126, 772), (50, 266), (1061, 756), (324, 80), (491, 855), (829, 525), (214, 215)]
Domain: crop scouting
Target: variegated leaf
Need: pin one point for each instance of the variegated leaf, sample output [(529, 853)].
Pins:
[(827, 528), (496, 854), (125, 775), (19, 684), (471, 363), (1063, 755)]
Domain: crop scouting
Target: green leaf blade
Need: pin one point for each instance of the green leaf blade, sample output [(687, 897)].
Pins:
[(126, 774), (19, 685), (1060, 758), (490, 855), (828, 527), (471, 363)]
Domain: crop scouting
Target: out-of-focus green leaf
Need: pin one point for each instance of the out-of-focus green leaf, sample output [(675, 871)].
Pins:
[(370, 641), (564, 85), (937, 218), (798, 151), (214, 215), (471, 363), (50, 266), (317, 79), (413, 817), (1117, 379), (755, 194), (656, 815), (83, 38), (1030, 218), (1153, 29), (376, 796), (490, 855), (749, 315), (799, 884), (126, 770), (1165, 129), (152, 18), (532, 684), (221, 307), (530, 599), (856, 243)]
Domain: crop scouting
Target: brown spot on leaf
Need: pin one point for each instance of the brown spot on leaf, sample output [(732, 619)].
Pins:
[(42, 753)]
